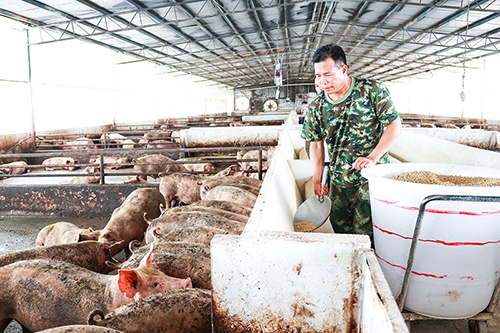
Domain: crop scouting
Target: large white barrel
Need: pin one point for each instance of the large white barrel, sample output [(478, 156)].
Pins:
[(457, 260)]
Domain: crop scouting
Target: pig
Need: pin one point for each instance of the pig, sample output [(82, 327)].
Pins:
[(172, 311), (136, 180), (80, 329), (90, 170), (210, 183), (231, 170), (155, 144), (64, 233), (180, 187), (153, 165), (197, 167), (233, 194), (41, 294), (15, 168), (155, 135), (80, 143), (92, 255), (118, 139), (253, 155), (168, 222), (177, 259), (211, 210), (127, 221), (225, 205), (59, 163), (201, 235), (115, 161)]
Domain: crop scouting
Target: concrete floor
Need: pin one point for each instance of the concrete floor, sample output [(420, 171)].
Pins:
[(20, 232)]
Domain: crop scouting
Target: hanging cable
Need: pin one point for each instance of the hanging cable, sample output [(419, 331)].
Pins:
[(462, 94)]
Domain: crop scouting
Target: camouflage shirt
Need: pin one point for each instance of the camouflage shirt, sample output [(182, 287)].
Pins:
[(351, 127)]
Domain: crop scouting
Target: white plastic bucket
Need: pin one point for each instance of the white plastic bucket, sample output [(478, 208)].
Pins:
[(315, 211), (457, 260)]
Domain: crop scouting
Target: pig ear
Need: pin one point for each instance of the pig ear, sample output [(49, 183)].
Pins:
[(128, 281), (112, 244), (94, 233), (163, 209), (134, 245), (156, 232), (145, 215), (147, 260), (78, 238), (113, 264)]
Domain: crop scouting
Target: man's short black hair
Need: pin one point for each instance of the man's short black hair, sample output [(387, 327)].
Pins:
[(333, 51), (304, 102)]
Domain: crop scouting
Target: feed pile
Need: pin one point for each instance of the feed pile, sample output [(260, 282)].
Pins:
[(431, 178), (304, 226)]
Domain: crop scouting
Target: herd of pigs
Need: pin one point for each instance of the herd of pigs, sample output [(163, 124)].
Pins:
[(145, 165), (71, 281)]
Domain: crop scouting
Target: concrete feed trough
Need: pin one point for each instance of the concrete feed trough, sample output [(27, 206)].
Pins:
[(272, 279)]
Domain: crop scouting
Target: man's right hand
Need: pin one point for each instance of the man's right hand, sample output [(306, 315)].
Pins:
[(321, 190)]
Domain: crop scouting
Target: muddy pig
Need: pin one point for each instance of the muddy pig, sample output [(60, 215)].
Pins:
[(15, 168), (90, 170), (253, 155), (169, 222), (92, 255), (233, 194), (231, 170), (201, 235), (80, 329), (136, 180), (172, 311), (127, 221), (177, 259), (225, 205), (117, 162), (197, 167), (42, 294), (152, 165), (211, 210), (210, 183), (61, 162), (64, 233), (80, 143), (180, 187)]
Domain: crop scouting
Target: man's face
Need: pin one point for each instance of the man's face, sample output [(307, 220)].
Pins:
[(329, 77)]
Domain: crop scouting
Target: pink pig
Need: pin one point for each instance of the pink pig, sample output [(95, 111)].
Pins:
[(42, 294)]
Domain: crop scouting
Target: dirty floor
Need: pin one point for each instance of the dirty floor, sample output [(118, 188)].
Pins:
[(20, 232)]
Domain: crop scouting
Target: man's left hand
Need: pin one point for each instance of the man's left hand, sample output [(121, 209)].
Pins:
[(363, 162)]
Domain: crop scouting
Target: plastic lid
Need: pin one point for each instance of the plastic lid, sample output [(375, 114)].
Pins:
[(314, 210)]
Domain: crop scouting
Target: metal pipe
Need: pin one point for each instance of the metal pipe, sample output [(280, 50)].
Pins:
[(418, 226), (33, 132), (260, 164)]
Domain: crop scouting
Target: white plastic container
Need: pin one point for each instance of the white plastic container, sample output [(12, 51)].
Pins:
[(457, 260)]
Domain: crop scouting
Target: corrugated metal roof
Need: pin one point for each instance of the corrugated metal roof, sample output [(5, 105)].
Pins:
[(239, 42)]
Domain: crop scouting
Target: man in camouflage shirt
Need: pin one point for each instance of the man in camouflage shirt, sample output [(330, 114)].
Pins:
[(350, 115)]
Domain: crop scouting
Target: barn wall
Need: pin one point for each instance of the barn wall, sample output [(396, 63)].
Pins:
[(77, 84)]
